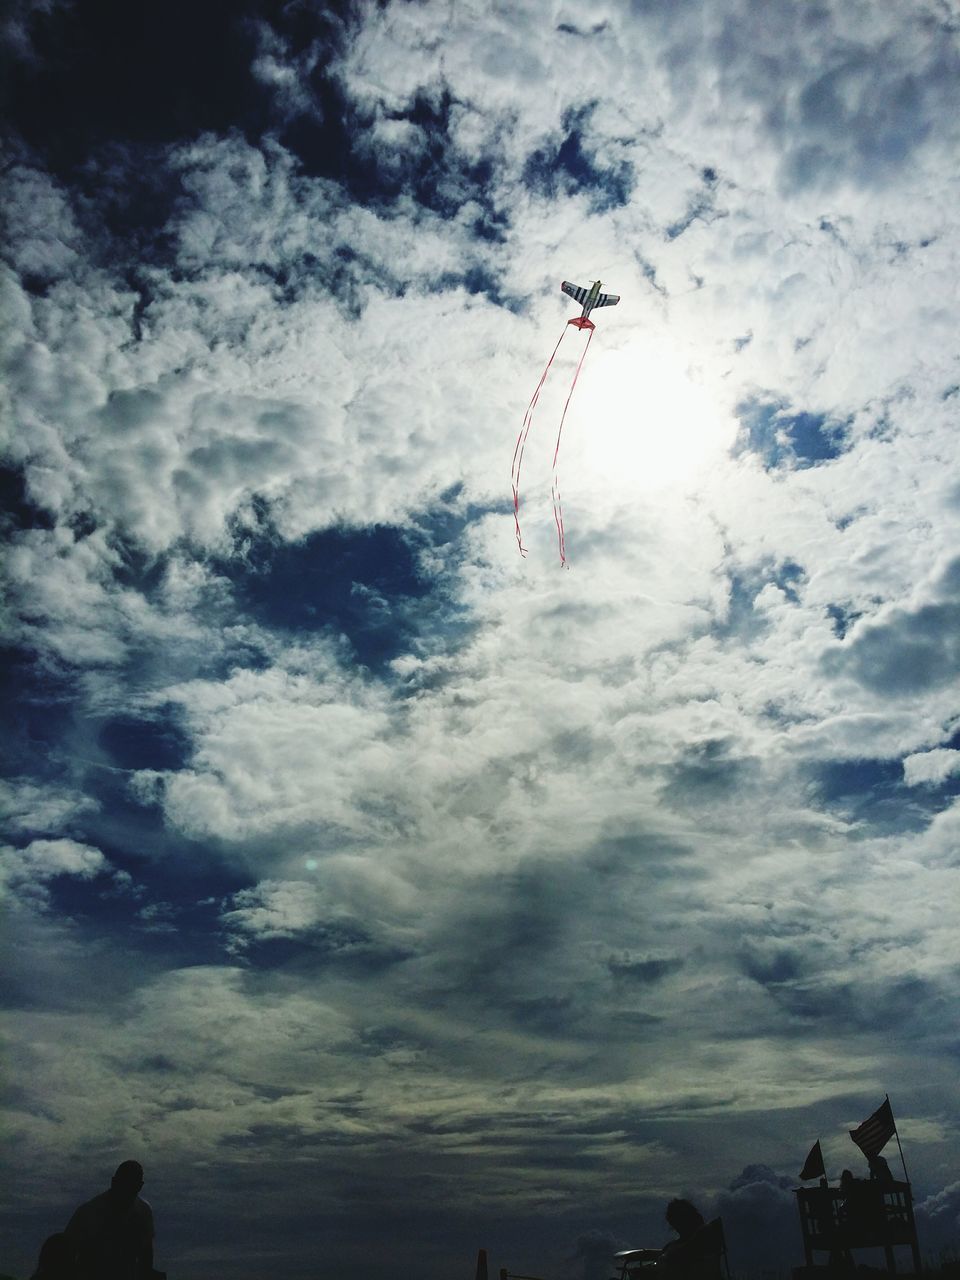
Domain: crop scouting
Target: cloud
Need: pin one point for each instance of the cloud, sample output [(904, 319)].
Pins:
[(938, 1218), (27, 872), (930, 768), (907, 651), (33, 808), (43, 238), (350, 908), (760, 1222), (446, 862)]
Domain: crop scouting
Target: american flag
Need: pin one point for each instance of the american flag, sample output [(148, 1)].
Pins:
[(876, 1131)]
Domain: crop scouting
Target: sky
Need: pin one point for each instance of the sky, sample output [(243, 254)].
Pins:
[(388, 893)]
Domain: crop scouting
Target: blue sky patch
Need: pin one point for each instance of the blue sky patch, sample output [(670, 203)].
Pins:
[(842, 619), (355, 582), (566, 168), (17, 511), (743, 620), (873, 792), (36, 708), (787, 441), (363, 584), (134, 743)]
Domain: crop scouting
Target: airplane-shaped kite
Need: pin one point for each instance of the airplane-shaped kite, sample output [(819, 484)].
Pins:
[(590, 298)]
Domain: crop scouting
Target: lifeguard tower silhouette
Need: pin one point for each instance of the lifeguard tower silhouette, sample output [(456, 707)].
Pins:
[(860, 1213)]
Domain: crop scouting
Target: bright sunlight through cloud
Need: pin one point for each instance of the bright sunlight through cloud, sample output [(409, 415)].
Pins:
[(640, 423)]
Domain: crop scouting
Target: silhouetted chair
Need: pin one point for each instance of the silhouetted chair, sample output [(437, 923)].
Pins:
[(635, 1262), (702, 1257)]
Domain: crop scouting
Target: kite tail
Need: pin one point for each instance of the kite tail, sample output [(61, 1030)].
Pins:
[(522, 440), (555, 490)]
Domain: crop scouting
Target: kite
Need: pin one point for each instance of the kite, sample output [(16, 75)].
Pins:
[(588, 298)]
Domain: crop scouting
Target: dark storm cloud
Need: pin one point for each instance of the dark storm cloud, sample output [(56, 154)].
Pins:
[(760, 1220)]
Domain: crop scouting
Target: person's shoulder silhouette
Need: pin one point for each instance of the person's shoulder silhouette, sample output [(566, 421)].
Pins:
[(57, 1260), (113, 1233), (880, 1170), (685, 1218), (695, 1253)]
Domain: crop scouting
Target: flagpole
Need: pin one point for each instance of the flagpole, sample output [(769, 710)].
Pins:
[(906, 1176)]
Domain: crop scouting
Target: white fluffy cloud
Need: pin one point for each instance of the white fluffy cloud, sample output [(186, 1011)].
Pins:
[(26, 873), (607, 860)]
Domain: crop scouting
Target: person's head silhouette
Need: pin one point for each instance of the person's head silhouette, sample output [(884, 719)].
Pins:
[(684, 1217), (126, 1183)]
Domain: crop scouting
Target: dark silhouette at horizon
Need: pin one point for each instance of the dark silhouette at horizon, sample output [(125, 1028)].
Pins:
[(698, 1251), (57, 1260), (686, 1220), (112, 1235)]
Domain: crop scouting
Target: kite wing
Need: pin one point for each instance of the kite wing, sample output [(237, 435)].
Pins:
[(607, 300), (575, 292)]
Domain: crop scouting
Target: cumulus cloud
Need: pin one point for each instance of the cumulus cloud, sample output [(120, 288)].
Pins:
[(760, 1219), (27, 872), (930, 767), (907, 651), (938, 1218), (29, 807), (457, 862)]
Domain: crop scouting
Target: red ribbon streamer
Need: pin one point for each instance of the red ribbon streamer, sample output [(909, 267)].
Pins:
[(555, 487), (522, 442)]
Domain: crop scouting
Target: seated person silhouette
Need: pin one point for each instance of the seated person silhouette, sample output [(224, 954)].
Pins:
[(113, 1233), (696, 1252), (860, 1211), (58, 1259), (880, 1170)]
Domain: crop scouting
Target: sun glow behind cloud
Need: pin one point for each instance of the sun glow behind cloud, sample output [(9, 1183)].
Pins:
[(641, 422), (421, 833)]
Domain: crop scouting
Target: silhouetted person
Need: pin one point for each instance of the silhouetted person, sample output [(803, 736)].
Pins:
[(695, 1254), (879, 1170), (113, 1232), (860, 1213), (685, 1219), (58, 1259)]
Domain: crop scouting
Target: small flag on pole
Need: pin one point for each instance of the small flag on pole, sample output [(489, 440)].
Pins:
[(876, 1131), (813, 1165)]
